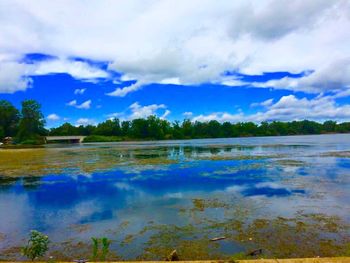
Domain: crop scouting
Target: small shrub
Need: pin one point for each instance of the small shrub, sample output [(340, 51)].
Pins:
[(37, 245)]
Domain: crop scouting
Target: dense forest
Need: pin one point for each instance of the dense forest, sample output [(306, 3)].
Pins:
[(28, 125)]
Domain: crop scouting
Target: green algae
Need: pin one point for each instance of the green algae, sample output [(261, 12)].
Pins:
[(38, 162)]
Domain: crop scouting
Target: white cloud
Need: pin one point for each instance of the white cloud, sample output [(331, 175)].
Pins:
[(16, 76), (136, 111), (220, 117), (13, 77), (72, 103), (289, 108), (85, 121), (122, 92), (278, 18), (265, 103), (53, 117), (77, 69), (334, 76), (165, 114), (85, 105), (79, 91), (247, 36), (187, 114)]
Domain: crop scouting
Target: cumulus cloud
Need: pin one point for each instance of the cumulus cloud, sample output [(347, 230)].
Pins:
[(85, 121), (53, 117), (250, 37), (292, 108), (334, 76), (139, 111), (84, 105), (289, 108), (77, 69), (13, 77), (219, 116), (277, 18), (136, 111)]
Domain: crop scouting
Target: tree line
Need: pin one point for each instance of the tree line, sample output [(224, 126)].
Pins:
[(159, 129), (28, 125)]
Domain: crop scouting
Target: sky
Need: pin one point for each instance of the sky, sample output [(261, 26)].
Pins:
[(242, 60)]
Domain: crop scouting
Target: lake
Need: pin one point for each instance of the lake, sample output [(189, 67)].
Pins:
[(289, 196)]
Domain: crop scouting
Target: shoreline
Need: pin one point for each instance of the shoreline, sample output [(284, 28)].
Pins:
[(284, 260), (165, 141)]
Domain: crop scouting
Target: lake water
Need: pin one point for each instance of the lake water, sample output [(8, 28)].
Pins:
[(289, 196)]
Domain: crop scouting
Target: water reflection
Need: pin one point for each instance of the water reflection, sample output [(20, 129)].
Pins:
[(93, 190)]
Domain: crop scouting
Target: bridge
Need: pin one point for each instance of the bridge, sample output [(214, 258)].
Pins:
[(68, 139)]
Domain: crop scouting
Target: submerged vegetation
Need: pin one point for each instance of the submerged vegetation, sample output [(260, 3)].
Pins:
[(143, 201), (281, 237)]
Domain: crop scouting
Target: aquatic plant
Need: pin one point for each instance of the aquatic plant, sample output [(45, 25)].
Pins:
[(105, 247), (97, 253), (37, 245), (95, 242)]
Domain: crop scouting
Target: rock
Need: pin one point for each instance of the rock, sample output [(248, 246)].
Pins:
[(173, 256)]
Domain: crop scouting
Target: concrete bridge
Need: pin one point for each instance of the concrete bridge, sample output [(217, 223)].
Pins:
[(69, 139)]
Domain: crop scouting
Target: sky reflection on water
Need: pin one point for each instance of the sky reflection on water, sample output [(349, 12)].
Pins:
[(290, 175)]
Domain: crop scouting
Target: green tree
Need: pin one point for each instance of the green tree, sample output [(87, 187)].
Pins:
[(9, 119), (108, 128), (37, 245), (65, 129), (32, 121), (329, 126), (187, 128)]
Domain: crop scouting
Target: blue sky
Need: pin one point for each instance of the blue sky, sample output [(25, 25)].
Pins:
[(201, 60)]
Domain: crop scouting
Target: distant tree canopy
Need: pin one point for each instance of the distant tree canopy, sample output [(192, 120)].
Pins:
[(160, 129), (28, 125)]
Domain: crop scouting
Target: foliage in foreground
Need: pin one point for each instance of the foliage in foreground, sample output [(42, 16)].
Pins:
[(37, 245)]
